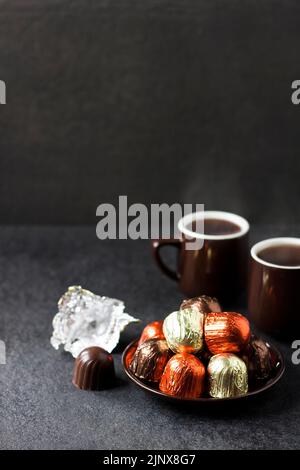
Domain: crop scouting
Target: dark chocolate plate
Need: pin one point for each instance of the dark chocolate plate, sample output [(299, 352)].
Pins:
[(278, 371)]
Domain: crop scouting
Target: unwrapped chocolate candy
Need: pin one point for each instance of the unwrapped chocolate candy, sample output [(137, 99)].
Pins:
[(94, 369)]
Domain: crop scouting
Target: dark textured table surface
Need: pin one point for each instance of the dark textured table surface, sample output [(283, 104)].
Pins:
[(39, 406)]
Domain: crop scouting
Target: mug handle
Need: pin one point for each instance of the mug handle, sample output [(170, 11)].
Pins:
[(156, 247)]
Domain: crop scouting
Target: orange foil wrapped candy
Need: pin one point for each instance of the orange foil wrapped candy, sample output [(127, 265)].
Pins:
[(152, 331), (203, 304), (150, 359), (184, 377), (226, 332)]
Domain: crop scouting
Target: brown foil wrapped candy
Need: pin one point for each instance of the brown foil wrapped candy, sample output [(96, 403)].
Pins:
[(152, 331), (150, 359), (258, 359), (227, 376), (203, 303), (226, 332), (184, 377), (94, 369)]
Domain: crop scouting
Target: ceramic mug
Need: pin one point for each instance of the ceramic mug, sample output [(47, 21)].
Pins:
[(219, 267), (274, 282)]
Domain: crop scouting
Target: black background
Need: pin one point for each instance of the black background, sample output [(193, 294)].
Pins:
[(164, 101)]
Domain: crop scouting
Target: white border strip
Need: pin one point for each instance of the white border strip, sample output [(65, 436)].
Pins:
[(273, 242), (228, 216)]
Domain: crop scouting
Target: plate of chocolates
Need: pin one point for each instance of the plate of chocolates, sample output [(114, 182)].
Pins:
[(200, 353)]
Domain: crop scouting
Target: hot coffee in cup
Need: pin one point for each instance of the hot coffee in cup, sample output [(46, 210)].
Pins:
[(218, 267), (273, 298)]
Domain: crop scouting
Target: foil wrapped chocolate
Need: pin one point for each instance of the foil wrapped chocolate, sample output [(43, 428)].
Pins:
[(152, 331), (227, 376), (184, 377), (94, 369), (203, 303), (226, 332), (150, 359), (258, 359), (183, 330)]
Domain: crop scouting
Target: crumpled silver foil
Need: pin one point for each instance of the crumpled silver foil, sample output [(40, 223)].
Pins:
[(85, 319)]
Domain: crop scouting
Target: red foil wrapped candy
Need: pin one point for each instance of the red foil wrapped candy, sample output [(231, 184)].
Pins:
[(184, 376), (152, 331), (150, 359), (226, 332)]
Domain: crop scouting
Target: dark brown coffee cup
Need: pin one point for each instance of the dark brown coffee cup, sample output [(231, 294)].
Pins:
[(218, 267), (273, 294)]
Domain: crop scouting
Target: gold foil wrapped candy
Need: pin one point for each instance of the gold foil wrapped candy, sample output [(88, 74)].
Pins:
[(227, 376), (183, 330), (150, 359), (184, 376)]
